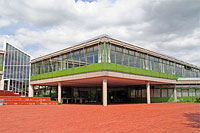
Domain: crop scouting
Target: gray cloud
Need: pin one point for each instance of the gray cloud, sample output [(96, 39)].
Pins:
[(170, 27)]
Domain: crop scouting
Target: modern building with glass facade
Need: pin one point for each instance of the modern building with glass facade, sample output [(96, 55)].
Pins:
[(105, 70), (16, 70)]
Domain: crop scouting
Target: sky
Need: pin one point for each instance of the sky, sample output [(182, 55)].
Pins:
[(39, 27)]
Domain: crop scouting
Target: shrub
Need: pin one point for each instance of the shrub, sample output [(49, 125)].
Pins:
[(197, 100), (59, 103)]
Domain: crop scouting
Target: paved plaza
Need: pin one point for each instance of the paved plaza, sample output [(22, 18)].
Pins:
[(159, 117)]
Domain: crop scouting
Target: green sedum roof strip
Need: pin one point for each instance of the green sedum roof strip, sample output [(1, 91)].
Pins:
[(103, 66)]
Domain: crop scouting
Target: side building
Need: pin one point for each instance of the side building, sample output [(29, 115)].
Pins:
[(105, 70), (15, 70)]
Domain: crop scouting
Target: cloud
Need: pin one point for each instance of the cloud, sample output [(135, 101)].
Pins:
[(171, 27), (4, 23)]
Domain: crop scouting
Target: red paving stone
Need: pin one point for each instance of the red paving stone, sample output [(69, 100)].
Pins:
[(160, 117)]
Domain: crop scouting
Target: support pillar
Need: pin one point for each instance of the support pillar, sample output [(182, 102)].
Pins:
[(148, 93), (30, 91), (105, 92), (59, 92), (175, 94)]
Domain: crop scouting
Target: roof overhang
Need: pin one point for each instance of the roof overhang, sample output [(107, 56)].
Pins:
[(188, 81)]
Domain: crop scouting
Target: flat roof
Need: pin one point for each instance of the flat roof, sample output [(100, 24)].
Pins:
[(107, 38)]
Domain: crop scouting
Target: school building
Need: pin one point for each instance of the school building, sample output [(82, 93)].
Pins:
[(104, 70)]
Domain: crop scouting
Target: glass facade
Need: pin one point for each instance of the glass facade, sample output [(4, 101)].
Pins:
[(128, 57), (82, 57), (16, 70), (113, 54), (123, 94), (71, 94)]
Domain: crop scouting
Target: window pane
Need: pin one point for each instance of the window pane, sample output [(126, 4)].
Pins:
[(164, 92), (198, 92), (156, 92), (118, 58), (178, 92), (185, 93), (170, 92), (192, 92)]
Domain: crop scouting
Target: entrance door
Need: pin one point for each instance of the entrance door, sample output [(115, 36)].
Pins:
[(118, 95), (6, 85)]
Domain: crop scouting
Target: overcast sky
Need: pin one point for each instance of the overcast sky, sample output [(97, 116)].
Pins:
[(170, 27)]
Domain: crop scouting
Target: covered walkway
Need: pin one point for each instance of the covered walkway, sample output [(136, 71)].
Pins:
[(107, 84)]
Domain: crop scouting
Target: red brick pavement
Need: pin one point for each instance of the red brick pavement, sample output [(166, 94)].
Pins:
[(156, 118)]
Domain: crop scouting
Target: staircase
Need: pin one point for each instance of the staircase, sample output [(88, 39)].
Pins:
[(8, 93), (9, 98)]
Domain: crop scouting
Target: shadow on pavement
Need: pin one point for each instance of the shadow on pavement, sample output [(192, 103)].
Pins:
[(194, 118)]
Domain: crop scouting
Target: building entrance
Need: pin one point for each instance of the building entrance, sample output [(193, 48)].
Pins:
[(87, 95), (118, 95)]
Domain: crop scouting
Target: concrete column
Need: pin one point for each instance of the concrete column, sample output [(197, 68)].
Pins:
[(59, 92), (148, 93), (104, 92), (175, 94), (30, 90)]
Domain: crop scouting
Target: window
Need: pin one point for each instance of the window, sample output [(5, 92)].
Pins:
[(179, 93), (156, 92), (185, 93), (132, 93), (164, 92), (197, 92), (192, 92), (119, 58), (170, 92), (151, 91), (138, 93), (144, 93), (132, 60), (125, 60), (137, 61), (112, 56)]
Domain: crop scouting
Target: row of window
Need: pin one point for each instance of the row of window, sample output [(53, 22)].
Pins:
[(113, 54), (20, 87), (165, 93), (132, 58), (79, 58)]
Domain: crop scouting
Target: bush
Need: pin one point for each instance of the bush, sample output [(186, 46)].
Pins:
[(197, 100), (59, 103)]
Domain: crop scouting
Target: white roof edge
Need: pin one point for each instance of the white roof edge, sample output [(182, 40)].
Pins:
[(94, 38), (5, 42), (184, 79)]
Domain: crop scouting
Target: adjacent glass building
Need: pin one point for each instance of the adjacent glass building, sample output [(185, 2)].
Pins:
[(16, 70)]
